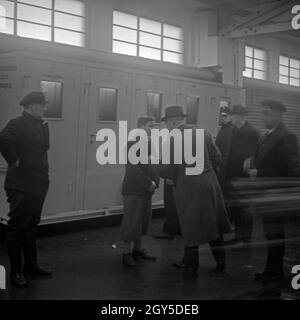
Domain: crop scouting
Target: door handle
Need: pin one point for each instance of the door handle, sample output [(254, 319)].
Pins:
[(92, 138)]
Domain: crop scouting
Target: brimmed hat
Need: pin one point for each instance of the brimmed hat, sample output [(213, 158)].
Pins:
[(34, 97), (238, 109), (173, 112), (274, 105)]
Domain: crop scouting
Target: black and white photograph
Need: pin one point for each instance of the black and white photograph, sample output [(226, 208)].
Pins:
[(149, 153)]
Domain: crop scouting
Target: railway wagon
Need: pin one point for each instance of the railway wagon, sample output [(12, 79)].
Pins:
[(92, 92)]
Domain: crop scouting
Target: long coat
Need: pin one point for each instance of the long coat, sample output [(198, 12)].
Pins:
[(25, 142), (199, 200), (243, 146), (277, 154), (138, 177)]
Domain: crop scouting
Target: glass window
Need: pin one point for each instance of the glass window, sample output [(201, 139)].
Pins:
[(67, 21), (107, 105), (255, 63), (35, 31), (69, 37), (154, 105), (33, 14), (289, 71), (151, 35), (35, 20), (192, 109), (53, 91)]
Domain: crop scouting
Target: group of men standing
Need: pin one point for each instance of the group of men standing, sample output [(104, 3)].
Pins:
[(195, 204)]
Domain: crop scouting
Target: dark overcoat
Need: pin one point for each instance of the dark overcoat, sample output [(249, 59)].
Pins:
[(24, 144), (199, 199), (243, 146), (138, 177), (277, 154)]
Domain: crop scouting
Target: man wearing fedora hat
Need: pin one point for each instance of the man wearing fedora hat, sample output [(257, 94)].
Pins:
[(277, 155), (24, 143), (244, 138), (199, 200)]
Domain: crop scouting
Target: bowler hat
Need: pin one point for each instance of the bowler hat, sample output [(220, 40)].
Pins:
[(238, 109), (274, 105), (34, 97), (173, 112)]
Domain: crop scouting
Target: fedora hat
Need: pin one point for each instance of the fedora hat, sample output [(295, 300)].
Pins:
[(238, 109), (173, 112), (274, 105)]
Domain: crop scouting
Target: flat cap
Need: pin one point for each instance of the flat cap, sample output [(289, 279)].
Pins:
[(274, 105), (238, 109), (34, 97)]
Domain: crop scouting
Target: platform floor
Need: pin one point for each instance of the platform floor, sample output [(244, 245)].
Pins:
[(87, 267)]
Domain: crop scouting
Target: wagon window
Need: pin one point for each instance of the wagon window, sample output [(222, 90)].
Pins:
[(192, 109), (154, 105), (53, 91), (107, 104)]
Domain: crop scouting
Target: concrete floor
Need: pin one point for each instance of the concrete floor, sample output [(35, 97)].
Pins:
[(87, 267)]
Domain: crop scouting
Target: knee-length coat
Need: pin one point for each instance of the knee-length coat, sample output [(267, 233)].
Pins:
[(199, 199)]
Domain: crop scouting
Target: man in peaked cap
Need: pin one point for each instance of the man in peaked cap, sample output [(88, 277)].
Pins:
[(24, 144), (201, 210), (244, 138), (277, 155)]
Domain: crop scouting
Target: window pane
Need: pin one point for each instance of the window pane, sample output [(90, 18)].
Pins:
[(260, 54), (150, 53), (249, 62), (6, 25), (69, 22), (69, 37), (173, 32), (172, 57), (6, 9), (29, 30), (33, 14), (284, 61), (260, 65), (150, 26), (249, 51), (173, 45), (124, 34), (70, 6), (124, 19), (247, 73), (295, 63), (154, 104), (124, 48), (283, 71), (283, 80), (259, 75), (107, 104), (294, 82), (150, 40), (295, 73), (40, 3), (53, 92), (192, 107)]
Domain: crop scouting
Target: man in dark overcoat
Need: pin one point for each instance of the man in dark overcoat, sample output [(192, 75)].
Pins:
[(277, 155), (24, 144), (244, 138), (201, 210)]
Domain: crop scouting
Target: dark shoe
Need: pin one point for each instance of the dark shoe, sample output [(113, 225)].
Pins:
[(128, 260), (37, 271), (18, 281), (188, 271), (220, 267), (142, 254), (233, 241), (179, 265), (163, 235), (266, 277)]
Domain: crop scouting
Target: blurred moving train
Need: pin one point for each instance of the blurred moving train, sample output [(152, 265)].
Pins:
[(91, 91)]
